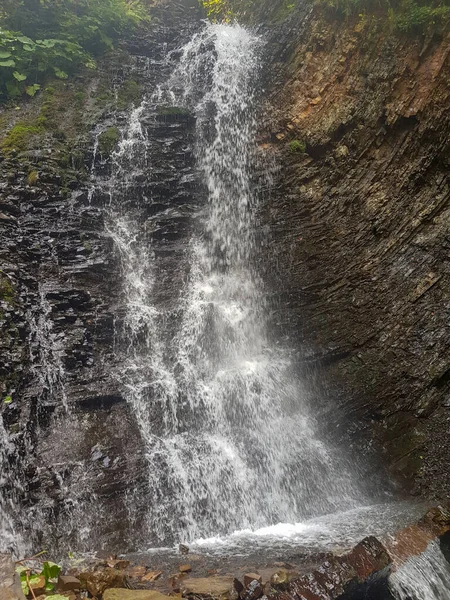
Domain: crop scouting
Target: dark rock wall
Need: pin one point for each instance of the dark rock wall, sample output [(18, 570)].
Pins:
[(61, 298), (360, 226)]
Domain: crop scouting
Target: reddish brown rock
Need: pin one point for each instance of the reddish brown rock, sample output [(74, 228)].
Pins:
[(96, 582), (185, 568), (335, 576), (249, 577), (137, 572), (68, 583), (152, 576)]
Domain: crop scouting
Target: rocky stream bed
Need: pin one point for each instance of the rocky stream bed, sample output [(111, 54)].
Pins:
[(363, 571)]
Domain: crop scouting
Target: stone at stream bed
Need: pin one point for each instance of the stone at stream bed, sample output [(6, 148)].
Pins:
[(122, 594), (152, 576), (249, 577), (208, 587), (67, 583), (96, 582), (185, 568)]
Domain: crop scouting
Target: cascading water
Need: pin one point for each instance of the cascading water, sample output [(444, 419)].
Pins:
[(423, 577), (229, 439)]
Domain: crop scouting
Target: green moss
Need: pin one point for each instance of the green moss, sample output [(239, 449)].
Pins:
[(297, 147), (18, 138), (32, 177), (129, 93), (7, 292), (172, 110), (107, 140)]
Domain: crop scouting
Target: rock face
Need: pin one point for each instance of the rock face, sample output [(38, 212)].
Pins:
[(70, 438), (360, 224)]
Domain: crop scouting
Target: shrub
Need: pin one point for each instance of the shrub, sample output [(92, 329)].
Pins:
[(49, 37), (297, 147)]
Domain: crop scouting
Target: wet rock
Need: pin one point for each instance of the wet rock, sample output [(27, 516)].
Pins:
[(97, 582), (183, 549), (337, 575), (208, 587), (253, 591)]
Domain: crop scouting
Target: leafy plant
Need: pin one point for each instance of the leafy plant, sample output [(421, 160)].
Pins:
[(56, 37), (30, 577)]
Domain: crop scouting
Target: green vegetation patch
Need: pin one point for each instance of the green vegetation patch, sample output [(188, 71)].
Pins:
[(404, 15), (19, 137), (48, 38), (173, 110), (297, 147), (107, 140), (129, 93), (7, 292)]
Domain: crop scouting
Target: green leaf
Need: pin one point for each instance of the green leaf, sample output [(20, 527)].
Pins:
[(19, 76), (25, 40), (21, 569), (60, 74), (49, 587), (28, 48), (46, 43), (7, 63), (5, 54), (32, 89), (51, 570), (8, 400), (24, 585)]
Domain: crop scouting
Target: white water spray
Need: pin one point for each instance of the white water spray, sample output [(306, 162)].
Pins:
[(229, 439)]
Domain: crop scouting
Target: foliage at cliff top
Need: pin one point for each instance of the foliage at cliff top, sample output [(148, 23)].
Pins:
[(404, 15), (42, 38)]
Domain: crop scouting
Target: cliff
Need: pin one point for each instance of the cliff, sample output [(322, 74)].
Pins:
[(360, 222)]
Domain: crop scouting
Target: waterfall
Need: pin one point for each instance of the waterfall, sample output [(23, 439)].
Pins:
[(229, 436), (423, 577)]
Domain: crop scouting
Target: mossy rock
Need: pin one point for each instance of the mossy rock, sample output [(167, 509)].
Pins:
[(7, 292), (107, 140), (173, 110), (129, 93), (19, 138)]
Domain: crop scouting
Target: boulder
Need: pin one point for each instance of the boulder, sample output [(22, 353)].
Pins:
[(208, 587)]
